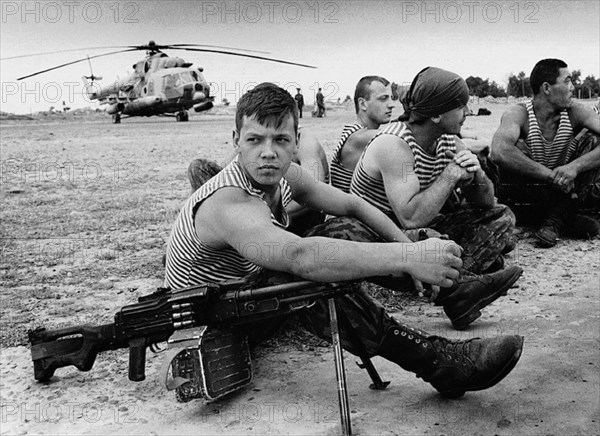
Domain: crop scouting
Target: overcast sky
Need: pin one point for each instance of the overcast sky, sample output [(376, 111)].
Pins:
[(345, 40)]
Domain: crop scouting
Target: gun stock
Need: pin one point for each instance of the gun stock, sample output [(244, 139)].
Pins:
[(78, 346)]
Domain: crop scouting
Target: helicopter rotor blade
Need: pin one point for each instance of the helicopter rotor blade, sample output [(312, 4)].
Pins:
[(74, 62), (246, 56), (137, 47), (178, 46), (154, 47), (64, 51)]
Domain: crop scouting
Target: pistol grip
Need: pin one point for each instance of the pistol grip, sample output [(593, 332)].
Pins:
[(137, 359)]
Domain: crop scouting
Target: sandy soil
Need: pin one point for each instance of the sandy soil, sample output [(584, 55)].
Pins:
[(86, 210)]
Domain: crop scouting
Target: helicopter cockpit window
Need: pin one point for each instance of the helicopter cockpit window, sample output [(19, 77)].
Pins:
[(171, 81), (186, 77), (179, 79)]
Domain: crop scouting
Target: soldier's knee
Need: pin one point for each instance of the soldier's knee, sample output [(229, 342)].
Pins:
[(504, 213), (346, 228), (200, 171)]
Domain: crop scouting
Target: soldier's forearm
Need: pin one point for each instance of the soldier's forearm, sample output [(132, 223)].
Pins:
[(424, 206), (481, 191), (515, 160), (588, 161)]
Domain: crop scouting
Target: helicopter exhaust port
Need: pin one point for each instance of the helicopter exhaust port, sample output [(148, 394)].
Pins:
[(203, 106), (115, 108)]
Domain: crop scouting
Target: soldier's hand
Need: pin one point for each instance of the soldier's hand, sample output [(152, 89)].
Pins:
[(434, 261), (563, 177), (465, 159), (456, 172), (429, 291)]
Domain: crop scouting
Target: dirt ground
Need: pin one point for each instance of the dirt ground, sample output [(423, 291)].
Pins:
[(87, 207)]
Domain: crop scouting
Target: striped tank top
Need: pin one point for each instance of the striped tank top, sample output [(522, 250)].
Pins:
[(557, 152), (341, 177), (190, 262), (426, 167)]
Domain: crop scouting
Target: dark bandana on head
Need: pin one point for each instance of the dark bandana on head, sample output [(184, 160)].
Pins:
[(433, 92)]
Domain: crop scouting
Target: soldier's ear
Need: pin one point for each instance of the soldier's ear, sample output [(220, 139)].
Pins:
[(362, 104), (236, 140), (546, 87), (297, 147)]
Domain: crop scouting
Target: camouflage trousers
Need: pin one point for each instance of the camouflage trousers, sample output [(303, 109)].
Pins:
[(532, 200), (484, 235)]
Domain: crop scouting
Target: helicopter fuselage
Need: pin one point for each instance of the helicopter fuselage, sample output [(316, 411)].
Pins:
[(159, 85)]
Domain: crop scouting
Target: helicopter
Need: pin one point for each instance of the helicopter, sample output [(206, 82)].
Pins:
[(159, 84)]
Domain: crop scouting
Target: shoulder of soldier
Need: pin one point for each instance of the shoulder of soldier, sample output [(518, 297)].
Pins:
[(579, 111), (517, 114)]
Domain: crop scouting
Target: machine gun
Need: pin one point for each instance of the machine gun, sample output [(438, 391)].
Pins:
[(210, 357)]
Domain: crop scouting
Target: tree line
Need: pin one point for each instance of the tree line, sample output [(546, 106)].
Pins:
[(518, 86)]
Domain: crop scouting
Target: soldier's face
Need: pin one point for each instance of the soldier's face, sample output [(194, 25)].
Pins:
[(452, 121), (561, 92), (266, 151), (380, 103)]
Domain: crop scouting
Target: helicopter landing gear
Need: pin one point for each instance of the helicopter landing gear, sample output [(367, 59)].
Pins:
[(116, 118), (182, 116)]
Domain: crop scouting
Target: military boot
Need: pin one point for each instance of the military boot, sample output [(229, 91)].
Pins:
[(464, 300), (452, 367), (550, 229), (582, 227)]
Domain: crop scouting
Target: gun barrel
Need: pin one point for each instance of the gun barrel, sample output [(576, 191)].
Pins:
[(269, 291)]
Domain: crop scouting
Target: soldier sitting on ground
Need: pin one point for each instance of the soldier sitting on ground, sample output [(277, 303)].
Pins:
[(547, 150), (373, 104), (218, 230), (412, 170)]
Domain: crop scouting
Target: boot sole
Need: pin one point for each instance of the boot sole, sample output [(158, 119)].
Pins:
[(544, 242), (474, 312), (501, 374)]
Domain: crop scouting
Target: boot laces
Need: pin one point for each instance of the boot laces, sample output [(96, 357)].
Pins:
[(468, 276), (453, 350)]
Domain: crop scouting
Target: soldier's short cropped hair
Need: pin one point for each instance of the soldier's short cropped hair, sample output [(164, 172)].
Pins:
[(269, 104), (546, 70), (362, 89)]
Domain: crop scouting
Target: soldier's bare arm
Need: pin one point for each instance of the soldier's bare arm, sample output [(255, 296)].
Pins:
[(412, 207), (505, 152), (231, 218)]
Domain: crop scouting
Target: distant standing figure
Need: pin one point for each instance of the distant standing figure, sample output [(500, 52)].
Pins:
[(320, 104), (299, 101)]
